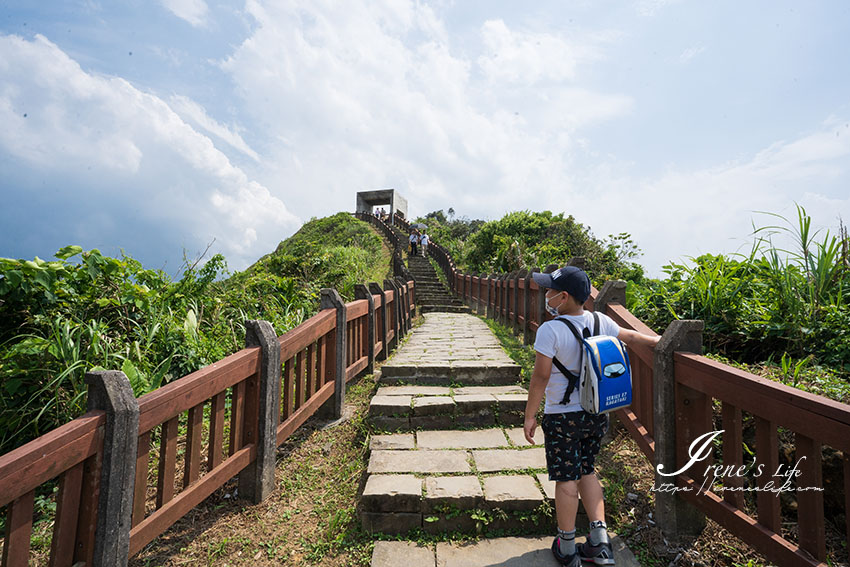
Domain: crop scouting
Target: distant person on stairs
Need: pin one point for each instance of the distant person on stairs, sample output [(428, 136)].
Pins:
[(572, 436), (414, 240), (423, 243)]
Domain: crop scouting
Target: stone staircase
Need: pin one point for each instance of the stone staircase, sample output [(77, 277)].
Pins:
[(426, 474), (431, 294)]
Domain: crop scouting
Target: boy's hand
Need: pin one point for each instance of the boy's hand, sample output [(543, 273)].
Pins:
[(529, 427)]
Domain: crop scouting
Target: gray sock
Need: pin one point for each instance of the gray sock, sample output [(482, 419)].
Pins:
[(566, 542), (598, 533)]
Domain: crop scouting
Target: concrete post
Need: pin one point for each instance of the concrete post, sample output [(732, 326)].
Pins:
[(614, 291), (526, 309), (674, 515), (578, 262), (375, 289), (256, 481), (391, 285), (110, 391), (362, 292), (330, 299)]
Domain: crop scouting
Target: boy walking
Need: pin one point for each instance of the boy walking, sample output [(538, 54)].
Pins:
[(572, 436)]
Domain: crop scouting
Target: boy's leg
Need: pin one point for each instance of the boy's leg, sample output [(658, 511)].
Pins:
[(566, 504), (597, 549), (592, 497)]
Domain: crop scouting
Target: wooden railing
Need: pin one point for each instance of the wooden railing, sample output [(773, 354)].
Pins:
[(699, 396), (190, 437)]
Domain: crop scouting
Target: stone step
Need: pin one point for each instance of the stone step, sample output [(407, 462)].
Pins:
[(404, 408), (462, 481), (445, 309), (495, 552)]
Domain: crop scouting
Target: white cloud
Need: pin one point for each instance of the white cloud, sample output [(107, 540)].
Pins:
[(127, 151), (193, 11), (649, 8), (377, 95), (193, 112), (688, 213), (526, 57), (690, 53)]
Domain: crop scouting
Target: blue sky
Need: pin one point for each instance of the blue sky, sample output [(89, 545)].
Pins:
[(157, 127)]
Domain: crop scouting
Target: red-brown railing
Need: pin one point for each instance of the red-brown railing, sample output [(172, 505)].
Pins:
[(218, 407), (700, 384)]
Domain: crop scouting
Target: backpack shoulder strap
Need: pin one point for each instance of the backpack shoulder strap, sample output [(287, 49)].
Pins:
[(595, 323), (572, 379)]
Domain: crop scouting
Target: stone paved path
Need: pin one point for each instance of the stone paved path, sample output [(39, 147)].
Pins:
[(451, 348), (435, 473)]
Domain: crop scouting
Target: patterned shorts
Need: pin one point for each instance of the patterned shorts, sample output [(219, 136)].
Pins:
[(572, 443)]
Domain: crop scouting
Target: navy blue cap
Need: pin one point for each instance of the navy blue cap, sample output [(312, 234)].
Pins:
[(571, 279)]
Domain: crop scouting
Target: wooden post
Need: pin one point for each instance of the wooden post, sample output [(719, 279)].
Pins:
[(519, 277), (110, 391), (527, 337), (375, 288), (675, 516), (362, 292), (256, 481), (391, 285), (330, 299)]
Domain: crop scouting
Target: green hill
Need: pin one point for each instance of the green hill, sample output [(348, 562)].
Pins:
[(85, 310)]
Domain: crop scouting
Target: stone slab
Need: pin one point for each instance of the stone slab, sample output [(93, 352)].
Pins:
[(385, 423), (413, 391), (393, 523), (477, 439), (394, 441), (395, 553), (512, 402), (467, 403), (418, 462), (517, 437), (512, 493), (392, 493), (481, 419), (432, 422), (495, 460), (461, 492), (389, 405), (489, 390), (511, 417), (515, 552), (433, 405)]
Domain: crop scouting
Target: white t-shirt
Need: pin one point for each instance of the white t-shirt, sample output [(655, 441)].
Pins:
[(414, 239), (555, 340), (424, 240)]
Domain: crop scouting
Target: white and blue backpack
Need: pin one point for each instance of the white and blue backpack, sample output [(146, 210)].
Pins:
[(605, 376)]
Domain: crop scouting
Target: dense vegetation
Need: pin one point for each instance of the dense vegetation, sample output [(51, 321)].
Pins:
[(85, 310), (791, 307), (785, 311), (525, 239)]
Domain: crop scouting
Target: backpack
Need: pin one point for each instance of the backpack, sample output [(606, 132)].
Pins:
[(605, 374)]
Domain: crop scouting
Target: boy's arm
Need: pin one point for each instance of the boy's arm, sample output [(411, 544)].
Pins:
[(629, 336), (536, 391)]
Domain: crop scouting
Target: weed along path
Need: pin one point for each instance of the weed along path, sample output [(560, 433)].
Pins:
[(449, 466)]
